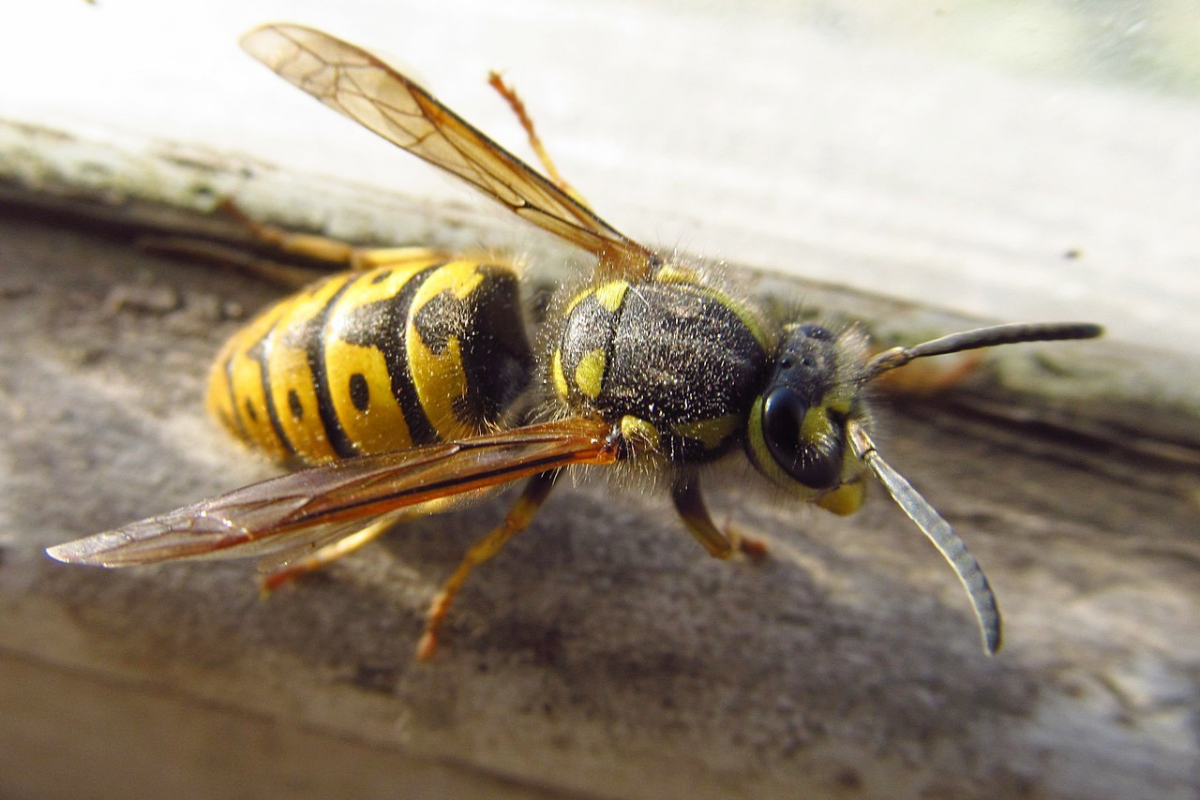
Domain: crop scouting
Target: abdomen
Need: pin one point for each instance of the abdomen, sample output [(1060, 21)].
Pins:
[(373, 361)]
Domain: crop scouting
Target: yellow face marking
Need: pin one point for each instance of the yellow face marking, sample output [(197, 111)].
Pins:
[(589, 375), (611, 295), (711, 433), (816, 425), (441, 379), (557, 375), (675, 274), (845, 499), (766, 462), (639, 434), (840, 399), (758, 446)]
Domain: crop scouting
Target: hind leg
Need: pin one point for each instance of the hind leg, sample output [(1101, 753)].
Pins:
[(519, 516), (322, 252), (323, 557)]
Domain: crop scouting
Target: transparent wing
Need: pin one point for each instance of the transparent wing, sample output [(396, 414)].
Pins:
[(304, 510), (374, 94)]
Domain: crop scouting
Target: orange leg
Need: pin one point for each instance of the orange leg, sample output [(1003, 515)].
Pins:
[(689, 502), (517, 520), (333, 251), (323, 557), (509, 93), (335, 254)]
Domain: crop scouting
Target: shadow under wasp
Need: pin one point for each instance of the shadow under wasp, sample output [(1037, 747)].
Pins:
[(406, 380)]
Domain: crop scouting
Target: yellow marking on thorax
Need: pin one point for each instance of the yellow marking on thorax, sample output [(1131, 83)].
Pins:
[(441, 380), (589, 374), (557, 376), (687, 277), (671, 273), (611, 295), (639, 434), (711, 433)]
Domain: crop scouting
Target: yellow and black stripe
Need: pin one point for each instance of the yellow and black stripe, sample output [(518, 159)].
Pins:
[(379, 360)]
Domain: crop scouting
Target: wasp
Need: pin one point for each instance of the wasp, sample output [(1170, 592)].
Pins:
[(411, 384)]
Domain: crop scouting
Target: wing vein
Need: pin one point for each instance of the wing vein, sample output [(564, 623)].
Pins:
[(365, 88)]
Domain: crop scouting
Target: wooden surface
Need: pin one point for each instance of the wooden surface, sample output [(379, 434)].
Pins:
[(602, 654)]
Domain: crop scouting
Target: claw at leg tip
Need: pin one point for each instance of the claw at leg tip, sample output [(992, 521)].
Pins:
[(426, 647)]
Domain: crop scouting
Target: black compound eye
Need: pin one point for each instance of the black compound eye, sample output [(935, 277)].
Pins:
[(783, 414), (815, 465)]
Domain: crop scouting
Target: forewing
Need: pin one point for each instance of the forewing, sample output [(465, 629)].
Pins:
[(313, 507), (373, 93)]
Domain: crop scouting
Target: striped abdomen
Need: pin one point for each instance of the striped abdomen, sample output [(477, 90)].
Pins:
[(379, 360)]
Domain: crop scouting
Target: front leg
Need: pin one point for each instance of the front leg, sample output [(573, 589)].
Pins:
[(689, 502)]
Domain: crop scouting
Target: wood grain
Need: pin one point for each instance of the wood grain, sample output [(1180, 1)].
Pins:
[(602, 654)]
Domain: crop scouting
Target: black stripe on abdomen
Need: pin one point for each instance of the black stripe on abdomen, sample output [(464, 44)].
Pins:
[(383, 325)]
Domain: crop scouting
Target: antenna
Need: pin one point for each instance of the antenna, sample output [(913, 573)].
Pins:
[(952, 548), (1012, 333)]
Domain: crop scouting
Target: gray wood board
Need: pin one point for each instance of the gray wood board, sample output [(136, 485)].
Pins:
[(602, 654)]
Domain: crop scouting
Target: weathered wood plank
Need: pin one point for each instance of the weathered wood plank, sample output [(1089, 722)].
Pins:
[(602, 654)]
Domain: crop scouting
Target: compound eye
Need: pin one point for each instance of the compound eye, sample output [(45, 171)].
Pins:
[(815, 464)]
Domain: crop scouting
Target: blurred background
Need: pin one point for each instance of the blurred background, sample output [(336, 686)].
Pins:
[(1035, 159)]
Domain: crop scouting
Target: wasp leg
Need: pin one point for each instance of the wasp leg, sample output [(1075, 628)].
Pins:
[(689, 502), (518, 518), (326, 555), (509, 93), (333, 252), (321, 251), (229, 255)]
